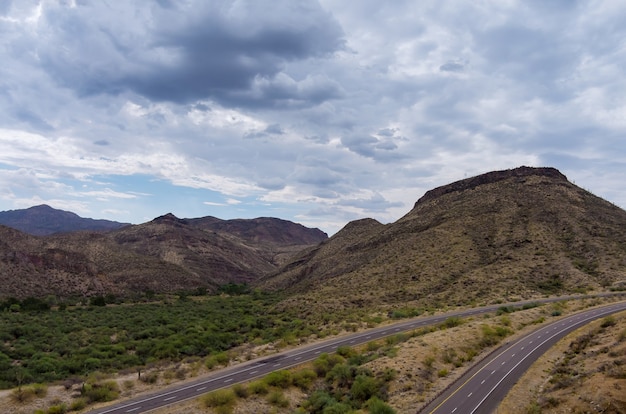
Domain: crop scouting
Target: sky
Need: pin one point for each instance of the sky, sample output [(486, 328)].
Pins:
[(318, 112)]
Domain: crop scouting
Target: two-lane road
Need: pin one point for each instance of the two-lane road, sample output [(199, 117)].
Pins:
[(481, 389), (263, 366)]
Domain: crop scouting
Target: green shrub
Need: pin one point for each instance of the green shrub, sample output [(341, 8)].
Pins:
[(304, 378), (364, 388), (101, 392), (325, 362), (346, 351), (224, 397), (278, 399), (258, 387), (377, 406), (280, 379), (335, 407), (451, 322), (78, 404), (57, 409)]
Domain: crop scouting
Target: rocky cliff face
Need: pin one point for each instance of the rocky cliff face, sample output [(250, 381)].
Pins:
[(488, 178)]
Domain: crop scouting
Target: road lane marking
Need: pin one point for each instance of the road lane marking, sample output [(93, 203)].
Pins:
[(169, 398), (482, 382), (228, 380), (201, 388), (253, 372), (133, 409)]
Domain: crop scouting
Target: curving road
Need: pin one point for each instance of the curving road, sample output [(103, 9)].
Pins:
[(263, 366), (482, 388)]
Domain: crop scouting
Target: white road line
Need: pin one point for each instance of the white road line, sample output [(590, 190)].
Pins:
[(230, 379), (201, 388), (169, 398), (253, 372), (133, 409), (277, 365)]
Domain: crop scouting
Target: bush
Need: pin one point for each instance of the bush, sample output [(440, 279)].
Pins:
[(57, 409), (258, 387), (280, 379), (346, 351), (240, 391), (364, 388), (278, 399), (103, 392), (304, 378), (325, 362), (78, 404), (376, 406), (22, 394), (224, 397)]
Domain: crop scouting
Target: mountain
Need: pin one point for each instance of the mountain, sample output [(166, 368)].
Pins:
[(167, 254), (519, 233), (44, 220)]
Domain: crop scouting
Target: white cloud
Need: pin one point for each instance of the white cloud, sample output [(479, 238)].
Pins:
[(324, 112)]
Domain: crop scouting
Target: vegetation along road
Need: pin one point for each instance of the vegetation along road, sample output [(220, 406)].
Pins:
[(482, 388), (263, 366)]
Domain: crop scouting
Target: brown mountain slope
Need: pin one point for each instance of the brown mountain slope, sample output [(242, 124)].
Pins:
[(166, 254), (524, 232)]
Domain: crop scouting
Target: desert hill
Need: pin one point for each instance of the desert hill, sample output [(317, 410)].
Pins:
[(167, 254), (517, 233), (44, 220)]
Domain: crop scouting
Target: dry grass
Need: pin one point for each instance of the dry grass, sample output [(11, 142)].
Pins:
[(592, 380)]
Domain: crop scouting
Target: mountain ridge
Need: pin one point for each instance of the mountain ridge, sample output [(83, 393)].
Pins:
[(164, 255), (43, 220), (519, 233)]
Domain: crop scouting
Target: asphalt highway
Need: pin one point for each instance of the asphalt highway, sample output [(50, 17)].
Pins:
[(482, 388), (263, 366)]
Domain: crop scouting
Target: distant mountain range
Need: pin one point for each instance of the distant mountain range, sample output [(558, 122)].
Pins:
[(505, 235), (44, 220), (167, 254)]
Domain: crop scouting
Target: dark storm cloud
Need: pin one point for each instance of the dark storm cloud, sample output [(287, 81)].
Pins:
[(204, 50)]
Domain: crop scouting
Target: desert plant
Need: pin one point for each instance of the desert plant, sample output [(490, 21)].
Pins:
[(304, 378), (101, 392), (376, 406), (280, 379), (258, 387), (278, 399), (223, 397)]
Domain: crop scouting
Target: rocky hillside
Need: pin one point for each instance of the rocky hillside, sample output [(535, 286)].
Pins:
[(167, 254), (517, 233), (44, 220)]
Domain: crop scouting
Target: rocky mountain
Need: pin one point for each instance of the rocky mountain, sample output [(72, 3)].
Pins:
[(44, 220), (517, 233), (167, 254)]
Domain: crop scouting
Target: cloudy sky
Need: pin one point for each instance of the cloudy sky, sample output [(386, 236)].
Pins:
[(319, 112)]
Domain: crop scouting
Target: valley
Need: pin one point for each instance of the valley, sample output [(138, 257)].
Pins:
[(115, 313)]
